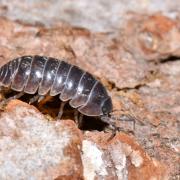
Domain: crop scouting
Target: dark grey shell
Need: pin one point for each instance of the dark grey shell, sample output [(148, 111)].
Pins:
[(43, 75)]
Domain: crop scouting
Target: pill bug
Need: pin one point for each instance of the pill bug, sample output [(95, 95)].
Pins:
[(41, 76)]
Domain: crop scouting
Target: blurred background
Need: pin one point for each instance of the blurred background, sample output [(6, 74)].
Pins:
[(96, 15)]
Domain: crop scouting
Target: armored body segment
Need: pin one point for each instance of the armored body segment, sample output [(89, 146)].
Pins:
[(12, 67), (11, 72), (30, 74), (22, 74), (49, 74), (84, 88), (60, 78), (93, 107), (3, 72), (71, 84), (36, 74)]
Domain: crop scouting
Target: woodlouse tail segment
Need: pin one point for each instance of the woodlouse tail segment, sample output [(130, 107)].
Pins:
[(18, 80), (2, 73), (8, 71)]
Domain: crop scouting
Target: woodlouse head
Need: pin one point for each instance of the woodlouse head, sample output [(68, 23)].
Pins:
[(107, 106)]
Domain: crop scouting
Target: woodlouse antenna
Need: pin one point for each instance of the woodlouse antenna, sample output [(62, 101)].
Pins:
[(112, 119), (124, 116), (127, 118)]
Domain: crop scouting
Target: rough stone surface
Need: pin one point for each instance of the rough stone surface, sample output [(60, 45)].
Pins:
[(120, 158), (33, 147), (134, 49)]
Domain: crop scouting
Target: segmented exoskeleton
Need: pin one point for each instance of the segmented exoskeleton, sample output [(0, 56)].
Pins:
[(41, 76)]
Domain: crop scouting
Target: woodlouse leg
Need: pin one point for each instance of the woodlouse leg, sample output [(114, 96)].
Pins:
[(36, 98), (40, 98), (111, 125), (33, 99), (78, 118), (113, 129), (17, 96), (61, 110), (126, 117)]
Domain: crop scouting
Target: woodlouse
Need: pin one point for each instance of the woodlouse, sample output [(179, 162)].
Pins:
[(45, 75)]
